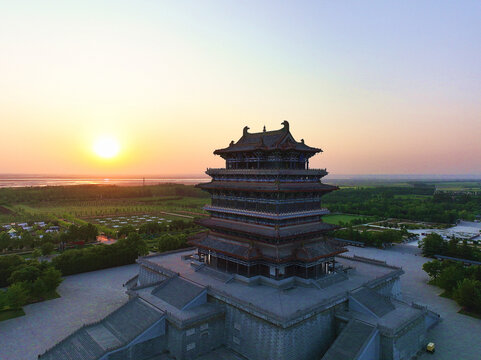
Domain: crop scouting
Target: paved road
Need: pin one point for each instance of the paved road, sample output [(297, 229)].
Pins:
[(84, 298), (456, 336)]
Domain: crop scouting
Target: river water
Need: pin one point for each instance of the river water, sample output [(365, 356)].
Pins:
[(32, 180)]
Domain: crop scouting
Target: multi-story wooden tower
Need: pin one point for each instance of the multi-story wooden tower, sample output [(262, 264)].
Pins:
[(266, 214)]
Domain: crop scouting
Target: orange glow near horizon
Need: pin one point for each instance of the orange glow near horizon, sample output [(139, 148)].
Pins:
[(381, 89)]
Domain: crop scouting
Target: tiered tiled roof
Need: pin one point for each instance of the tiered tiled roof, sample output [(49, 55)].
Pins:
[(267, 141), (268, 186), (284, 232), (117, 329), (318, 250), (223, 245), (309, 252)]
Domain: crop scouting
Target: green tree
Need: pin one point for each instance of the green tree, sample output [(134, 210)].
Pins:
[(47, 238), (468, 294), (125, 230), (450, 276), (51, 278), (36, 253), (432, 244), (25, 273), (3, 299), (4, 241), (26, 240), (433, 268), (8, 263), (36, 289), (47, 248), (16, 296), (135, 243)]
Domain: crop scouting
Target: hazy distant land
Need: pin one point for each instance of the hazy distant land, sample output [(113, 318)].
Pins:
[(27, 180)]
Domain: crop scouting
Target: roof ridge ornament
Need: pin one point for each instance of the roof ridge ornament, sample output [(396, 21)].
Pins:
[(264, 130), (286, 125), (246, 130)]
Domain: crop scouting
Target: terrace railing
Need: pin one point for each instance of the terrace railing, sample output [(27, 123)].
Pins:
[(267, 171)]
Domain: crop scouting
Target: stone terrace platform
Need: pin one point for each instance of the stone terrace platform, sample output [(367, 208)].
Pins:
[(281, 306)]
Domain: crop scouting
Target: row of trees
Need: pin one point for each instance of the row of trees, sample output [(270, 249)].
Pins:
[(45, 241), (27, 281), (25, 240), (461, 283), (93, 192), (415, 203), (86, 232), (370, 238), (163, 236), (434, 244), (123, 252), (168, 242)]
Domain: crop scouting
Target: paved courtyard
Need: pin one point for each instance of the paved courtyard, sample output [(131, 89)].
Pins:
[(84, 298), (90, 296), (456, 336)]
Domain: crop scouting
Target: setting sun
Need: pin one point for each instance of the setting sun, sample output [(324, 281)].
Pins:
[(106, 147)]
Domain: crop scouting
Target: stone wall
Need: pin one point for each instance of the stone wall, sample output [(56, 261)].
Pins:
[(410, 341), (257, 339), (189, 343), (148, 276), (391, 288), (405, 344)]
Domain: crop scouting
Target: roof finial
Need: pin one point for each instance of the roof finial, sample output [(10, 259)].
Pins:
[(286, 125), (231, 143), (302, 141), (264, 128), (246, 128)]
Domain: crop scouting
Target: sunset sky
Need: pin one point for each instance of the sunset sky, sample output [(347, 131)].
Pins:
[(383, 87)]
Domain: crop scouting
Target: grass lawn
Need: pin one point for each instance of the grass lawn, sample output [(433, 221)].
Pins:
[(413, 197), (10, 314), (458, 186), (335, 219), (94, 208)]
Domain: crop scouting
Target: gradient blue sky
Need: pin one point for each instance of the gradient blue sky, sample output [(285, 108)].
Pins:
[(381, 86)]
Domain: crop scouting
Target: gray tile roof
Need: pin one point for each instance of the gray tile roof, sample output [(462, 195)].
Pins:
[(103, 336), (235, 248), (350, 341), (78, 346), (318, 249), (117, 329), (177, 292), (267, 186), (378, 304), (266, 231), (267, 140), (131, 320)]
